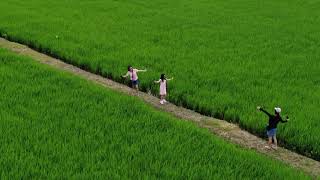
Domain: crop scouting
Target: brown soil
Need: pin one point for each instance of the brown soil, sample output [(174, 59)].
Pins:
[(226, 130)]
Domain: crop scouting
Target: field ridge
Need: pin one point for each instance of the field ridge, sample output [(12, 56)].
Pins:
[(226, 130)]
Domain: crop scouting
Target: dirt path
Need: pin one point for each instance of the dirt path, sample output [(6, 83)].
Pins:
[(226, 130)]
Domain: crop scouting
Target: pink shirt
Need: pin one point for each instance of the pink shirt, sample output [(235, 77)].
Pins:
[(133, 75)]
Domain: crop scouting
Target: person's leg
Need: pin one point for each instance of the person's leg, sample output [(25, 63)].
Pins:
[(275, 141), (161, 99), (270, 141), (164, 98), (268, 146), (136, 85)]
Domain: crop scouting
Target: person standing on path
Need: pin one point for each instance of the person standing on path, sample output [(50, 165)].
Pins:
[(133, 73), (272, 126), (163, 87)]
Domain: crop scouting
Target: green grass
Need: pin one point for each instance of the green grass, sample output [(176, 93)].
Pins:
[(227, 56), (54, 125)]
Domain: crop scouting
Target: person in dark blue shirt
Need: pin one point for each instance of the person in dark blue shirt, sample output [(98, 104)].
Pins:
[(272, 126)]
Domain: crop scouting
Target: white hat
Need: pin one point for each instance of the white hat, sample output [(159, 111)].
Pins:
[(277, 109)]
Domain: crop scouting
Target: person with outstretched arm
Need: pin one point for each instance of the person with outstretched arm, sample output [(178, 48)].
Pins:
[(272, 126), (133, 74), (163, 87)]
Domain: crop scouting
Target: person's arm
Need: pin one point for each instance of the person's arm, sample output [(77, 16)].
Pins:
[(284, 121), (157, 81), (170, 79), (261, 109), (138, 70), (126, 75)]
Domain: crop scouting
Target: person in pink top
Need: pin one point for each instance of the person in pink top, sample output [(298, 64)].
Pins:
[(163, 87), (133, 74)]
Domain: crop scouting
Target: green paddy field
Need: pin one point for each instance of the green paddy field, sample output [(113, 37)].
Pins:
[(55, 126), (227, 56)]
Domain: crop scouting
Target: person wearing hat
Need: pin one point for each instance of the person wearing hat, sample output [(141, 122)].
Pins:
[(272, 126)]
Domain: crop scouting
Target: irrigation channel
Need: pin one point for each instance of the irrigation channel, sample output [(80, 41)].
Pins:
[(226, 130)]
